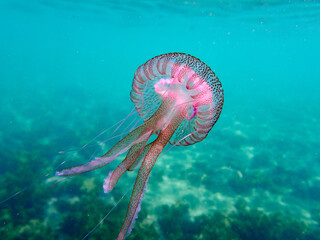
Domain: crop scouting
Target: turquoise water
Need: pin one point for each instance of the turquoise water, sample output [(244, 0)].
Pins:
[(66, 74)]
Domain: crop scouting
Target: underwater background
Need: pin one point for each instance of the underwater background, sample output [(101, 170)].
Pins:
[(66, 70)]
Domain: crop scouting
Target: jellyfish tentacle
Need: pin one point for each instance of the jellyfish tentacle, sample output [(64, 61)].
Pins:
[(145, 169), (138, 135), (125, 165), (166, 90)]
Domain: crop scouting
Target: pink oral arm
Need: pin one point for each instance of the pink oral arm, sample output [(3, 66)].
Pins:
[(147, 165), (125, 165), (140, 158), (138, 135)]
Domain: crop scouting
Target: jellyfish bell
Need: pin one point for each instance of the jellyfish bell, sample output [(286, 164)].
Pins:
[(187, 84), (180, 99)]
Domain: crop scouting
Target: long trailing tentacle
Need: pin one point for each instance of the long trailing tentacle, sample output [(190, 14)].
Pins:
[(138, 135), (125, 165), (147, 165)]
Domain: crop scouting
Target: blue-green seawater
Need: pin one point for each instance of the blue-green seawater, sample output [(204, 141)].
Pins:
[(66, 70)]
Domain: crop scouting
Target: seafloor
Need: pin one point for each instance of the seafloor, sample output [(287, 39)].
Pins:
[(254, 177)]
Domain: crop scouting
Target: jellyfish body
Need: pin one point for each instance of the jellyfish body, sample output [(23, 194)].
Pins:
[(180, 99)]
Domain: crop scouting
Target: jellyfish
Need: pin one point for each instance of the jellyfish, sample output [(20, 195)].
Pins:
[(179, 99)]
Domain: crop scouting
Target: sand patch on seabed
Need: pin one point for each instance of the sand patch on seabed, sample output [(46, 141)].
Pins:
[(171, 190)]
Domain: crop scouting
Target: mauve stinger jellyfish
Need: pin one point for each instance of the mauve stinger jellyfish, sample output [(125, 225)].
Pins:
[(180, 99)]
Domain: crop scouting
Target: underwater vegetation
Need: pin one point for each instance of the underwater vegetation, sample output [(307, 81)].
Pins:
[(71, 209), (270, 199), (244, 223), (74, 217), (41, 214)]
